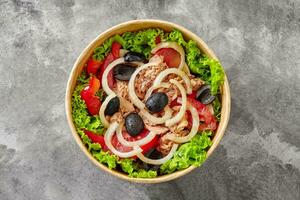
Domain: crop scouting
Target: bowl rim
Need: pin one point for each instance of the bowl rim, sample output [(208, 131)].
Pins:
[(148, 23)]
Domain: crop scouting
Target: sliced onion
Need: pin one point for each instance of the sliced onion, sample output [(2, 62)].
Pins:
[(105, 86), (193, 131), (150, 90), (123, 52), (158, 161), (140, 142), (132, 95), (186, 69), (174, 46), (180, 114), (107, 138), (157, 120), (180, 73), (102, 109)]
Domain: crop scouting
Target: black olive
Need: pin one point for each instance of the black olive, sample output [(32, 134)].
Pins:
[(112, 107), (133, 56), (134, 124), (204, 95), (152, 154), (123, 72), (156, 102)]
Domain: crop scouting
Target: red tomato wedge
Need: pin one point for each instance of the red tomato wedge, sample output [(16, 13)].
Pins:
[(115, 49), (171, 56), (210, 122), (157, 39), (92, 102), (94, 84), (93, 66), (97, 139), (93, 105), (110, 79), (86, 93)]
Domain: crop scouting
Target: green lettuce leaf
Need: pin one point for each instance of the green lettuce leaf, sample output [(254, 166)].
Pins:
[(176, 36), (216, 78), (106, 158), (101, 52), (217, 108), (130, 166), (190, 153), (141, 173), (101, 94)]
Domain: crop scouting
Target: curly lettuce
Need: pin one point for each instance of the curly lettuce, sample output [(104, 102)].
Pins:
[(217, 108), (190, 153), (133, 170), (101, 52), (80, 114)]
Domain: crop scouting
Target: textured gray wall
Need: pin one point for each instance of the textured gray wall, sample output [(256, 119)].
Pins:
[(258, 43)]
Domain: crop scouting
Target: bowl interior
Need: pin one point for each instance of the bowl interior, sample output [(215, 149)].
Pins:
[(135, 26)]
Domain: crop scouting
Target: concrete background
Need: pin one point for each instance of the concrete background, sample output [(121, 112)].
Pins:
[(258, 43)]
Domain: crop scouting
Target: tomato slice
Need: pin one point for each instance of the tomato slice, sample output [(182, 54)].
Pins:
[(115, 49), (93, 105), (97, 139), (93, 66), (94, 84), (210, 122), (120, 147), (110, 79), (86, 93), (92, 102), (171, 56)]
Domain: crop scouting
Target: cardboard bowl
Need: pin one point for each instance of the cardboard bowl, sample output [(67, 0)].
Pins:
[(136, 25)]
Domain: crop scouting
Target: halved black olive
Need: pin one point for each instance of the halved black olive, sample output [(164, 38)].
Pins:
[(156, 102), (134, 124), (112, 107), (123, 72), (152, 154), (133, 56), (204, 95)]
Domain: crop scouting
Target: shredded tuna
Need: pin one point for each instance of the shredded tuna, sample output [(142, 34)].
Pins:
[(172, 92), (196, 82), (165, 145), (117, 117), (146, 77), (126, 106), (122, 89), (157, 129)]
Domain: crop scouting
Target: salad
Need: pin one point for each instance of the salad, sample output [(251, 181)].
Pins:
[(147, 103)]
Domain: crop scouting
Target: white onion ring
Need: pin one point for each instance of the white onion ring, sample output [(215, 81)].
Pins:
[(150, 90), (158, 161), (140, 142), (168, 71), (193, 131), (174, 46), (122, 52), (132, 95), (157, 120), (107, 138), (102, 109), (104, 83), (180, 114), (186, 69)]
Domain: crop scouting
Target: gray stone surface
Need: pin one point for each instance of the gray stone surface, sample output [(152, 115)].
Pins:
[(258, 43)]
